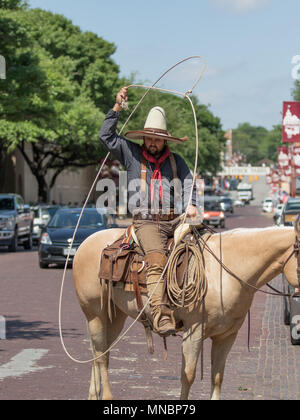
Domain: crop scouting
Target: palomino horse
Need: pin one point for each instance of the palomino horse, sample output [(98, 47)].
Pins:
[(255, 256)]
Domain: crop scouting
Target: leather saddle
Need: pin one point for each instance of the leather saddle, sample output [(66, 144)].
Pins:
[(124, 261)]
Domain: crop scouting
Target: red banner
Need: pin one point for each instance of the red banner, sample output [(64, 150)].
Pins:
[(268, 179), (283, 157), (291, 122), (296, 160), (275, 177)]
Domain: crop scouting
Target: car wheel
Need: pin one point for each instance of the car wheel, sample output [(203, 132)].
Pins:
[(43, 265), (286, 312), (28, 242), (14, 242), (222, 225)]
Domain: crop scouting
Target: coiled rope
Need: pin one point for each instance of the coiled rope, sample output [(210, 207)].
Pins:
[(186, 95), (194, 280)]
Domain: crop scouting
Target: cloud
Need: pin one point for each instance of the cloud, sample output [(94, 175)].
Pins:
[(241, 6)]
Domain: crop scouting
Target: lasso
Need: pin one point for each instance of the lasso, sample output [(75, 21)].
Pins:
[(183, 220)]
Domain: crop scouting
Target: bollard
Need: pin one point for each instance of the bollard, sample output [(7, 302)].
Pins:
[(2, 328)]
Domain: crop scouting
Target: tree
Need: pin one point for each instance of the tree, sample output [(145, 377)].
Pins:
[(296, 91), (12, 4), (54, 92)]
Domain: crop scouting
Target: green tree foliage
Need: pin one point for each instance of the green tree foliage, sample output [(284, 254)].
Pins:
[(256, 143), (296, 91), (12, 4), (46, 102)]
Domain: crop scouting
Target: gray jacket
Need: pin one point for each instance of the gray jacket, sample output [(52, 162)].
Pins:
[(130, 155)]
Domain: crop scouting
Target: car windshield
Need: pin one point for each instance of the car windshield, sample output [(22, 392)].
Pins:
[(69, 220), (52, 210), (293, 205), (7, 204), (212, 206), (44, 212)]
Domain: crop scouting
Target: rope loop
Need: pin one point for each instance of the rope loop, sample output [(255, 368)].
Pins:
[(186, 95)]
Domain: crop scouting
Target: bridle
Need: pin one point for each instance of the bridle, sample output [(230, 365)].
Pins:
[(295, 251)]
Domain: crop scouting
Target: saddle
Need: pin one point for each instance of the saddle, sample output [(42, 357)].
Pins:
[(124, 261)]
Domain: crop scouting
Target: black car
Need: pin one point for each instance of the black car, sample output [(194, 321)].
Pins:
[(56, 237), (291, 305), (291, 310), (290, 211), (227, 204)]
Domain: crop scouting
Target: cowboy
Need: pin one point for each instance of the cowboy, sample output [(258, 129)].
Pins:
[(153, 168)]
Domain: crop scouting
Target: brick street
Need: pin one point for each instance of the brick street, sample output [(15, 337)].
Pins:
[(29, 303)]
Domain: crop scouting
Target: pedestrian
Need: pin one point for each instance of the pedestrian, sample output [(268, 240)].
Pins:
[(156, 207)]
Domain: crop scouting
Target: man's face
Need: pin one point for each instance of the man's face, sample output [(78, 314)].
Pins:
[(154, 146)]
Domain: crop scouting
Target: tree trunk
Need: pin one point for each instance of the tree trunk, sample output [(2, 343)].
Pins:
[(2, 160), (42, 188)]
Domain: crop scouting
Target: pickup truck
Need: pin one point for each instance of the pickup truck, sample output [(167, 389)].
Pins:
[(16, 222)]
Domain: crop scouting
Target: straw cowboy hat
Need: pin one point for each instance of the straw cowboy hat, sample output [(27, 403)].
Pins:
[(155, 127)]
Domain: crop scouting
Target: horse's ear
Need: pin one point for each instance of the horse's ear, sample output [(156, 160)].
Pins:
[(297, 225)]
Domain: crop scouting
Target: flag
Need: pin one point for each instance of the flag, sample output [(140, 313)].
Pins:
[(291, 122)]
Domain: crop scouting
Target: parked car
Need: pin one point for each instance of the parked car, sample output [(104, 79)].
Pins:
[(42, 215), (291, 311), (290, 211), (277, 213), (227, 204), (16, 222), (56, 237), (238, 203), (267, 206), (213, 212)]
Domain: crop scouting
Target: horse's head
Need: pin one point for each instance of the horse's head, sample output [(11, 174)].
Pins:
[(292, 267)]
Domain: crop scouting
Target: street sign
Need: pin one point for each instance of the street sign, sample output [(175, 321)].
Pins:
[(245, 171)]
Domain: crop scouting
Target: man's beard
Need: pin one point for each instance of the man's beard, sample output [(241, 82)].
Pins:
[(152, 150)]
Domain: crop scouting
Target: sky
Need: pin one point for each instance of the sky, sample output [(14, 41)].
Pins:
[(248, 47)]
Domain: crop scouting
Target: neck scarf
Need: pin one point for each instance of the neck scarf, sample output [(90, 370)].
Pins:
[(156, 173)]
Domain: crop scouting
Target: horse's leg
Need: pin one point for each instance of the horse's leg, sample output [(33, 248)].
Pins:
[(219, 352), (103, 334), (191, 346)]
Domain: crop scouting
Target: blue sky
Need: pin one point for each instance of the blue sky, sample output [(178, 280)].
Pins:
[(248, 46)]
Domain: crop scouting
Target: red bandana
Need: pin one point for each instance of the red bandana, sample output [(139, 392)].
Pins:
[(156, 173)]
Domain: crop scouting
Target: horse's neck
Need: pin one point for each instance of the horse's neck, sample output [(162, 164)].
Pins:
[(257, 255)]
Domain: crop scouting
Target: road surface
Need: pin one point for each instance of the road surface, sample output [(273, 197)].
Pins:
[(33, 365)]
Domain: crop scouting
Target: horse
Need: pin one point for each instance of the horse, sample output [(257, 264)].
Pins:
[(253, 258)]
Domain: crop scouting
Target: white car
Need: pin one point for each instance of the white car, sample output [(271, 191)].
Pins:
[(268, 205)]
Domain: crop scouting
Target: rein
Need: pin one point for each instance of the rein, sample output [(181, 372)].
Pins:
[(296, 250)]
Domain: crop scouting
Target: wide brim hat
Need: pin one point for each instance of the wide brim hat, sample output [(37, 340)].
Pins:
[(155, 127)]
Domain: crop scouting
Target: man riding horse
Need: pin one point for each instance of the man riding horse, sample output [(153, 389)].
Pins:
[(156, 213)]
